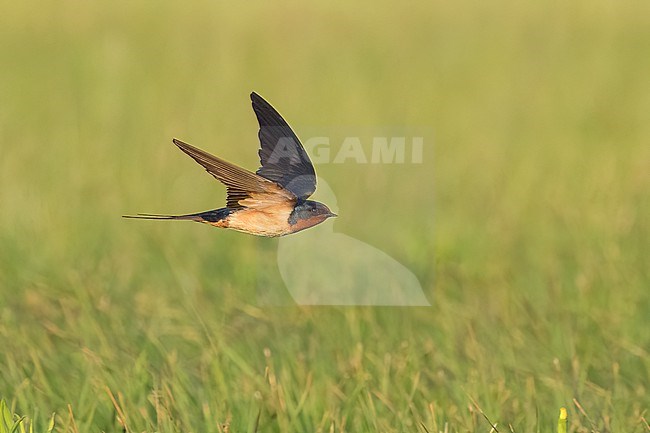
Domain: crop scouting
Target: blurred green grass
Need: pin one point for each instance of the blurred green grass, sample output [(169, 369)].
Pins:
[(527, 222)]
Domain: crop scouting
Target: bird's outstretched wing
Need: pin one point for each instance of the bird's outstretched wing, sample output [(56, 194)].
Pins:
[(282, 156), (245, 189)]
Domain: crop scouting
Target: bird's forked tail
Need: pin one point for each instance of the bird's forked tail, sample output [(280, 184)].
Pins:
[(210, 216)]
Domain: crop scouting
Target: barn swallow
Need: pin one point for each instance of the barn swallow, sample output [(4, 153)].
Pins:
[(270, 202)]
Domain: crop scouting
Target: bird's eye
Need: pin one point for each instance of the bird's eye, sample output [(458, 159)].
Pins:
[(313, 209)]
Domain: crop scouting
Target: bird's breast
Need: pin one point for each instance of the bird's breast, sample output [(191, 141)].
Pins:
[(272, 221)]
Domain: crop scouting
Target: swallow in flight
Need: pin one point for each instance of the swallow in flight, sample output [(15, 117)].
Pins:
[(270, 202)]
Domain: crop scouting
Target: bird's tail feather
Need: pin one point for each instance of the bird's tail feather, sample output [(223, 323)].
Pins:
[(207, 216), (151, 216)]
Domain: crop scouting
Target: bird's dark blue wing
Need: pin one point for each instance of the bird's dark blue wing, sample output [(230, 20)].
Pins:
[(282, 156)]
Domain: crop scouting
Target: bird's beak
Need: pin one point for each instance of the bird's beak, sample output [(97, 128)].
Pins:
[(331, 214)]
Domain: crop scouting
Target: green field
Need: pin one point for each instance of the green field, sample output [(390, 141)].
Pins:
[(527, 223)]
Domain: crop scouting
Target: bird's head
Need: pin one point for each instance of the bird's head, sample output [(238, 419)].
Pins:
[(307, 214)]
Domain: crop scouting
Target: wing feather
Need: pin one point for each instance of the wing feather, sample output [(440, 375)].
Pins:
[(245, 188), (282, 156)]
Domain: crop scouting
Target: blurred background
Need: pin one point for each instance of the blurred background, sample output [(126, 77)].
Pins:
[(526, 222)]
